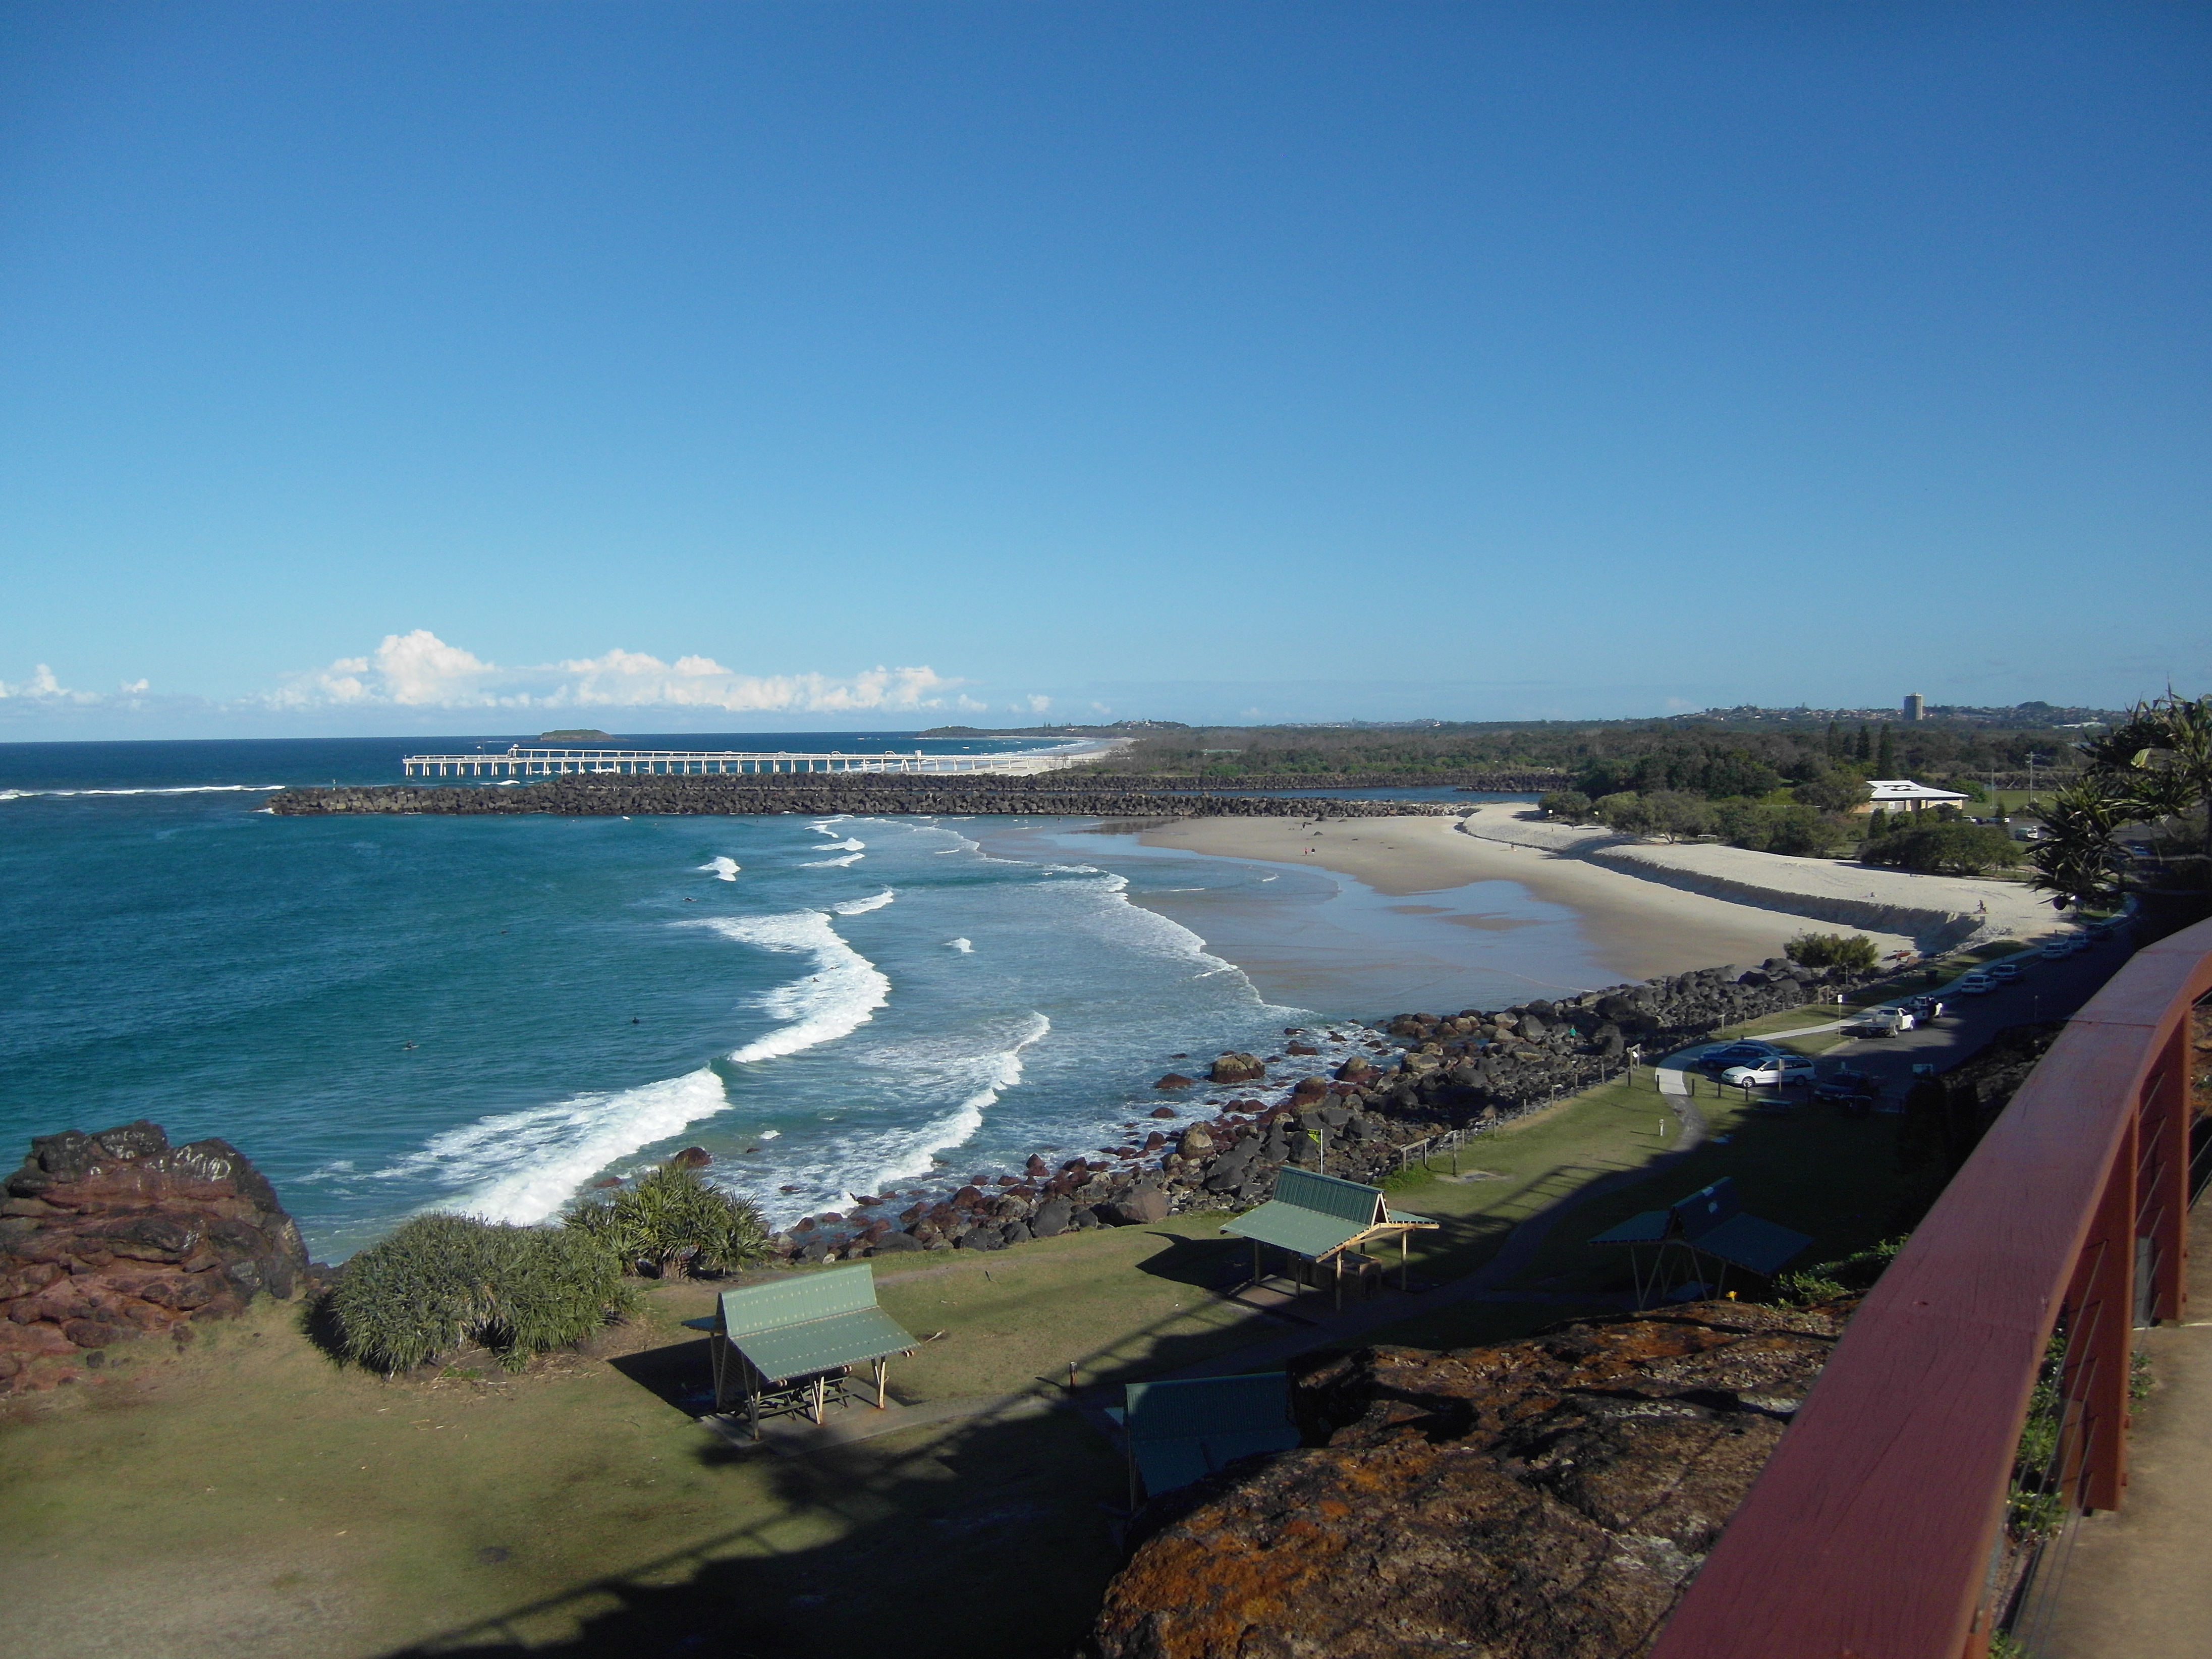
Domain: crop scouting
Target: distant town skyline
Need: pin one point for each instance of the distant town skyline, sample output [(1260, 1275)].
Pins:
[(831, 366)]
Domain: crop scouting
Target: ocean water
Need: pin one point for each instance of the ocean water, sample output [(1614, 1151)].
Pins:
[(392, 1015)]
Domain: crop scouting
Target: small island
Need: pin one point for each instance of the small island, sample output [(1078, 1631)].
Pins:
[(581, 734)]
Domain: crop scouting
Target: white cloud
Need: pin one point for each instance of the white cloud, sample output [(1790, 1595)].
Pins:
[(43, 687), (1037, 705), (421, 670)]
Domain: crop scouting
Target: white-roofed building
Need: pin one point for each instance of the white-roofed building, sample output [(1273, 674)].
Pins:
[(1895, 794)]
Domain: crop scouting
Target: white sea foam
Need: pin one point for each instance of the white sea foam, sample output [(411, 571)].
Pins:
[(1000, 1072), (523, 1166), (848, 845), (724, 869), (189, 789), (841, 995), (833, 864), (860, 907), (964, 946)]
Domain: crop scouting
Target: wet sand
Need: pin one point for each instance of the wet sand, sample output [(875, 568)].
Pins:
[(1629, 928)]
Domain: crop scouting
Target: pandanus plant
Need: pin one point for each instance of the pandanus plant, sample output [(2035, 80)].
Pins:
[(671, 1216), (2154, 766)]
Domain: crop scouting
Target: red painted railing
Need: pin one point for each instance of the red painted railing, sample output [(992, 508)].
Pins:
[(1874, 1528)]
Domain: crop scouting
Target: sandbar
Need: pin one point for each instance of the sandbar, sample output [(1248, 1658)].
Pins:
[(1635, 928)]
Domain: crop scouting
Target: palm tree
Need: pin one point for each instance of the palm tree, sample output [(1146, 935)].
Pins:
[(2160, 759), (671, 1216)]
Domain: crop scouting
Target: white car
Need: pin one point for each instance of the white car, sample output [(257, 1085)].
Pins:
[(1774, 1069), (1975, 984), (1883, 1022)]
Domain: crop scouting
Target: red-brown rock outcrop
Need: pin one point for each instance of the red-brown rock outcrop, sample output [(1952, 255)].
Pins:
[(1540, 1499), (115, 1234)]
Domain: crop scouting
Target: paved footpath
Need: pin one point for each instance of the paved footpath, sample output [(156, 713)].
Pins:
[(2137, 1583)]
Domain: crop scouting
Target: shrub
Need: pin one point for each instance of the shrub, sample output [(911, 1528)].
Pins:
[(1851, 951), (1795, 831), (1958, 849), (443, 1280), (1832, 792), (1570, 803), (671, 1216), (1830, 1279)]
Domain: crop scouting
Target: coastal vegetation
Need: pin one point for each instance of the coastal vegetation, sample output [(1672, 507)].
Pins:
[(1716, 754), (670, 1219), (1953, 848), (2155, 770), (1853, 951), (441, 1282)]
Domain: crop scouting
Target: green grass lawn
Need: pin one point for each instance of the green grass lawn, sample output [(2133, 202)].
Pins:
[(248, 1498)]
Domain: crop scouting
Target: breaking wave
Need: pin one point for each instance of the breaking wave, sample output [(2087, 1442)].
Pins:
[(543, 1154), (840, 996)]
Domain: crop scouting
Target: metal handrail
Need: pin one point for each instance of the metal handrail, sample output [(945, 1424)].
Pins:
[(1875, 1526)]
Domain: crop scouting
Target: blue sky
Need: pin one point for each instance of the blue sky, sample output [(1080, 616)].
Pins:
[(369, 367)]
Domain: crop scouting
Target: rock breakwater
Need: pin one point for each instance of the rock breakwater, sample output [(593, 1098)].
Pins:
[(1547, 1498), (875, 794), (116, 1235)]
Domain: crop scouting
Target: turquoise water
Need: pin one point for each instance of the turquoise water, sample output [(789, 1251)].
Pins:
[(395, 1014)]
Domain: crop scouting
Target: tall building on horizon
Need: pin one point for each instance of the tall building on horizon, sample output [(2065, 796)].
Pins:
[(1915, 708)]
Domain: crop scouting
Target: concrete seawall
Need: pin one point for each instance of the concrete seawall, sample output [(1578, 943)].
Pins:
[(1937, 913), (1930, 929)]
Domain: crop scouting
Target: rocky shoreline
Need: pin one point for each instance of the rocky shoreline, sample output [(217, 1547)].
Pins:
[(116, 1234), (875, 794), (1392, 1085)]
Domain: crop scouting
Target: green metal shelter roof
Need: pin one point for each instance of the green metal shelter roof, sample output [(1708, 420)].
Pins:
[(1314, 1215), (810, 1322), (1745, 1240), (1648, 1227), (1180, 1431)]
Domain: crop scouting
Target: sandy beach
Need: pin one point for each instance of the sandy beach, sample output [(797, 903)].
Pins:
[(1633, 928)]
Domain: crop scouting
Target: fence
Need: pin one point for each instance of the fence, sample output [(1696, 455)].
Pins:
[(1879, 1527)]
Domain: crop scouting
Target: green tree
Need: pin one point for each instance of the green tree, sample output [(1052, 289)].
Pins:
[(2078, 862), (1569, 804), (2158, 759), (1884, 760), (1833, 792), (1863, 750), (1800, 832), (440, 1281), (1957, 850), (1623, 811), (671, 1216), (1852, 951)]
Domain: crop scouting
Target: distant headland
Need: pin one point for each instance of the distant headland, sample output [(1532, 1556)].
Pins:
[(579, 734)]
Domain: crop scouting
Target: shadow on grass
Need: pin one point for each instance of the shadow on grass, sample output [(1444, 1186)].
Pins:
[(989, 1542), (991, 1538), (679, 1374)]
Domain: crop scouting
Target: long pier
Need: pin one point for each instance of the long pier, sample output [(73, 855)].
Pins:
[(519, 760)]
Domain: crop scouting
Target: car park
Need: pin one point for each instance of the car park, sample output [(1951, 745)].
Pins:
[(1736, 1054), (1881, 1021), (1784, 1070)]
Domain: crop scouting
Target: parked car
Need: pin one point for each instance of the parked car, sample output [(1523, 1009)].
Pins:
[(2058, 949), (1736, 1054), (2005, 972), (1881, 1021), (1785, 1070), (1847, 1085), (1975, 984), (1923, 1009)]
